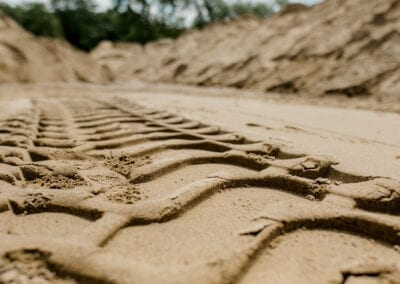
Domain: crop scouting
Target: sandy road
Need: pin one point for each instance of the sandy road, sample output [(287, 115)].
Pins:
[(140, 185)]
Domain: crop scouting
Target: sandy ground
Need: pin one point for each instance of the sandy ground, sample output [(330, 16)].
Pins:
[(139, 183)]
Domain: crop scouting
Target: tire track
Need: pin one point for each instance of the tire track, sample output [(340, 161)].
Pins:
[(129, 175)]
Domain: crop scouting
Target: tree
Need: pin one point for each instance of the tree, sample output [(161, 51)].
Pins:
[(258, 9), (82, 26), (79, 22), (216, 10)]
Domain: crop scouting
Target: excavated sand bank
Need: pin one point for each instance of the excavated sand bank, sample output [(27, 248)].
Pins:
[(339, 47)]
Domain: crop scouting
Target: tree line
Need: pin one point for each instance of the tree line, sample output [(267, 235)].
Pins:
[(82, 24)]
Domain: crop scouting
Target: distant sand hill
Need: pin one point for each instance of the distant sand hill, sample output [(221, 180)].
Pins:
[(25, 58), (346, 47)]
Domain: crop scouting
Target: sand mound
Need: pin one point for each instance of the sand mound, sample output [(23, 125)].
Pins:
[(25, 58), (115, 54), (347, 47)]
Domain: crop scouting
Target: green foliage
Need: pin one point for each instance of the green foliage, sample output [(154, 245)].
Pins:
[(257, 9), (82, 26), (131, 26), (217, 10), (80, 23)]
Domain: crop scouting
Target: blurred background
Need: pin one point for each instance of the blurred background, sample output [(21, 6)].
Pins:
[(85, 23)]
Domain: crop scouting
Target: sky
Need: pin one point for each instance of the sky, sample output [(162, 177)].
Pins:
[(104, 4)]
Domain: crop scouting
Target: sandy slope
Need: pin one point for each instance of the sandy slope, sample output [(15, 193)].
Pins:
[(133, 184), (25, 58), (336, 48)]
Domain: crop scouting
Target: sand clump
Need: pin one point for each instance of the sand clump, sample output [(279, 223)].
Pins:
[(347, 47), (123, 164), (66, 178), (26, 58), (28, 266)]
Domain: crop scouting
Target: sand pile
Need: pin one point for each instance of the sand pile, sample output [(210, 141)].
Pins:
[(349, 47), (115, 54), (25, 58)]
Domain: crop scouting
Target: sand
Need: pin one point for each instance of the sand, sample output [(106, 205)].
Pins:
[(26, 58), (132, 184), (339, 48), (135, 182)]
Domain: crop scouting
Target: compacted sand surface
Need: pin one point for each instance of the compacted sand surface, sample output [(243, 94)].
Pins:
[(121, 184)]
